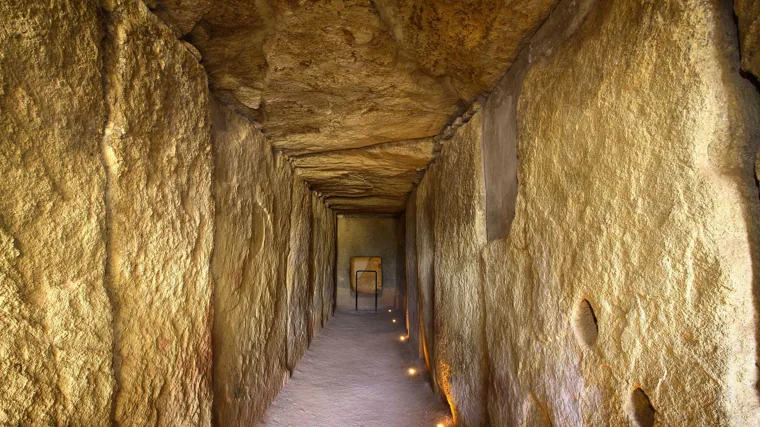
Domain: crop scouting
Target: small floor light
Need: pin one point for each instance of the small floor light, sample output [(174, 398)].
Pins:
[(402, 338), (394, 320), (412, 371), (440, 425), (389, 310)]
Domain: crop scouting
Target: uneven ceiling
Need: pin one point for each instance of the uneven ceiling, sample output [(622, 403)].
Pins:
[(354, 92)]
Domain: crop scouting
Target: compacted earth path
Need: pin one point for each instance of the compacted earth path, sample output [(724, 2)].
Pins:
[(357, 374)]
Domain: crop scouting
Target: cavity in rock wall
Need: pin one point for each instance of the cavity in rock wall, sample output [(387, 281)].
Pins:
[(55, 345), (157, 152), (626, 279)]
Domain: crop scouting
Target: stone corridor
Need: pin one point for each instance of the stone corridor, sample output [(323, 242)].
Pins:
[(553, 204)]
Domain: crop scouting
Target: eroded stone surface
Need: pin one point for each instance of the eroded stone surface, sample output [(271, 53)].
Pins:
[(469, 42), (158, 155), (387, 170), (55, 315), (748, 14), (636, 194), (459, 230), (253, 215)]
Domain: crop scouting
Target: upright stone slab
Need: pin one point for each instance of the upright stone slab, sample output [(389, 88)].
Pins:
[(160, 221), (253, 214), (55, 315), (624, 293), (460, 233)]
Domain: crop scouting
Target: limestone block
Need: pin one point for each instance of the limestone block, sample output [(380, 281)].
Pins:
[(460, 232), (624, 293), (299, 273), (253, 212), (160, 210), (55, 315)]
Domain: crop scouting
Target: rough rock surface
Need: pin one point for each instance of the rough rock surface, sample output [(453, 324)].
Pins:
[(385, 171), (55, 345), (469, 42), (460, 232), (637, 199), (299, 273), (334, 75), (157, 152), (253, 205), (748, 16)]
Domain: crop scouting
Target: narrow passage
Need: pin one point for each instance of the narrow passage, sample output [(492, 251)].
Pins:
[(356, 374)]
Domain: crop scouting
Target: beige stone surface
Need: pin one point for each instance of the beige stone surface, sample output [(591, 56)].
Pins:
[(636, 198), (470, 43), (55, 315), (299, 273), (459, 230), (253, 215), (748, 18), (160, 212)]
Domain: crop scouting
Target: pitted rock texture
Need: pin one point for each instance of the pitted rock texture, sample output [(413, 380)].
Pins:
[(459, 231), (748, 17), (636, 195), (55, 315), (158, 155), (334, 75), (253, 205)]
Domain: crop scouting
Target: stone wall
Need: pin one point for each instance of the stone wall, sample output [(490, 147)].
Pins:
[(157, 152), (453, 290), (624, 291), (145, 247), (55, 314)]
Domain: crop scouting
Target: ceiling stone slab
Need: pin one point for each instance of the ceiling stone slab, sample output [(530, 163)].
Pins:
[(325, 78), (472, 42)]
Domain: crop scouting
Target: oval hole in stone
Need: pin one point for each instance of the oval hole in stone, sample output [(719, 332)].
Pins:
[(642, 410), (258, 229), (584, 324)]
